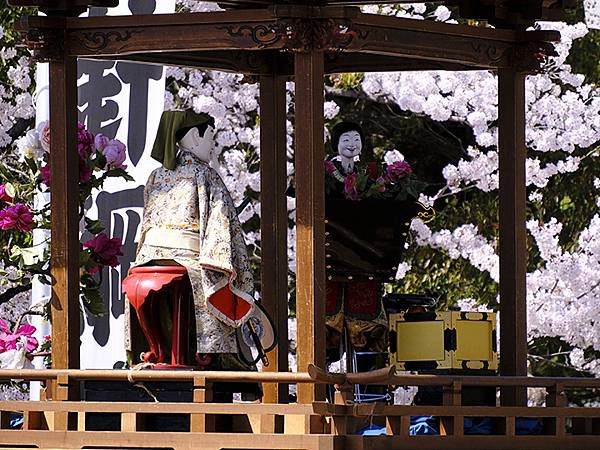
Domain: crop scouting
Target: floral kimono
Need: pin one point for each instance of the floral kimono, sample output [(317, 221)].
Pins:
[(190, 218)]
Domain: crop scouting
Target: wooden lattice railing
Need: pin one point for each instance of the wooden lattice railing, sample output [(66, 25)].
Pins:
[(58, 421)]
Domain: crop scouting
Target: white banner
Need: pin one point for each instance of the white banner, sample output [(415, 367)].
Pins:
[(122, 100)]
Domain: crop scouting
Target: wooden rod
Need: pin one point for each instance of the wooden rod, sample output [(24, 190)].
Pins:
[(274, 223), (64, 205), (310, 216), (513, 248), (295, 377)]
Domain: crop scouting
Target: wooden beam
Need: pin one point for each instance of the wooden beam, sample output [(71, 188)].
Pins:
[(357, 62), (296, 28), (274, 222), (64, 262), (221, 30), (310, 217), (458, 44), (513, 234), (238, 61)]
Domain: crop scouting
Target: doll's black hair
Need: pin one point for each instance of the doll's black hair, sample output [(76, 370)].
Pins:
[(344, 127), (179, 134)]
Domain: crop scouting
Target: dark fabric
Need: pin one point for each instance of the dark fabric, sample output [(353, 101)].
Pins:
[(165, 144)]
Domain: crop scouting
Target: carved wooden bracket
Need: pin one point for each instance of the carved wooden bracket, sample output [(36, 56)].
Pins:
[(96, 41), (300, 34)]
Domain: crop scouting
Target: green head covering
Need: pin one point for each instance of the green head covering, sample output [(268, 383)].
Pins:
[(165, 144)]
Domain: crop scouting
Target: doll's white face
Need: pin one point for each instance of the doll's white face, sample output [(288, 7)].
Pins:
[(349, 144), (201, 146)]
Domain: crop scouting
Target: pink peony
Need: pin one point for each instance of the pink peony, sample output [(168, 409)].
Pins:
[(16, 217), (11, 341), (44, 133), (350, 187), (4, 196), (114, 152), (105, 250), (398, 170), (100, 141), (45, 173), (85, 141)]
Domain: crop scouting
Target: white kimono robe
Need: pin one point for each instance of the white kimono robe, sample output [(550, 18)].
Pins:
[(189, 217)]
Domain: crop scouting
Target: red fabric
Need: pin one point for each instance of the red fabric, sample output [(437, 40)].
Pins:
[(362, 298), (230, 305), (332, 294)]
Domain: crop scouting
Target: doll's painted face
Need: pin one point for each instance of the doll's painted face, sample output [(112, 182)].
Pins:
[(201, 146), (350, 144)]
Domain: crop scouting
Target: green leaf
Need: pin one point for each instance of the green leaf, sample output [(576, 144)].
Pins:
[(31, 163), (94, 226), (92, 300), (119, 173)]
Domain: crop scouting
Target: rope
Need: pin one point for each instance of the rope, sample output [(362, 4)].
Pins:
[(140, 384)]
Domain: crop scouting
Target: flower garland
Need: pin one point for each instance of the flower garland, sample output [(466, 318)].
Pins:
[(99, 158), (393, 179)]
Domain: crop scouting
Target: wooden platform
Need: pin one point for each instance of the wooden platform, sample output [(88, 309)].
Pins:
[(57, 422)]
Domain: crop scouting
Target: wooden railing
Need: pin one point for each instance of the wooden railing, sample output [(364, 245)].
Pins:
[(59, 421)]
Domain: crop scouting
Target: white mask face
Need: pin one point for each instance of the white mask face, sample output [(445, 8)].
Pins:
[(200, 146), (350, 144)]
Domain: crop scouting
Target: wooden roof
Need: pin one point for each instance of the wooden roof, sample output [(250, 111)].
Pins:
[(251, 40)]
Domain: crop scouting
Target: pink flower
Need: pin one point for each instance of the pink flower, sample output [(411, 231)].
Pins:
[(4, 197), (329, 167), (398, 170), (46, 174), (105, 250), (85, 141), (44, 133), (114, 152), (11, 341), (350, 187), (100, 141), (16, 217)]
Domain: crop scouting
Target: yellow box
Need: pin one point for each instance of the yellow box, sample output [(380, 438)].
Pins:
[(443, 340)]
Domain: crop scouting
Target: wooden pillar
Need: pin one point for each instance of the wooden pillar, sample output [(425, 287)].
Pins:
[(64, 260), (513, 248), (310, 217), (274, 223)]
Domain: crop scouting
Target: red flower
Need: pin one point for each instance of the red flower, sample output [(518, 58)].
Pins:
[(85, 141), (16, 217), (4, 197), (46, 174), (350, 187), (372, 170), (105, 250), (398, 170), (329, 167)]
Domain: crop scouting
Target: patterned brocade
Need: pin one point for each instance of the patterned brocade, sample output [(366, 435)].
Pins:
[(193, 198)]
